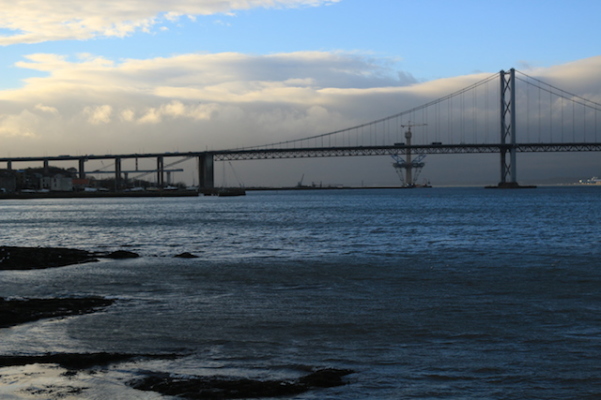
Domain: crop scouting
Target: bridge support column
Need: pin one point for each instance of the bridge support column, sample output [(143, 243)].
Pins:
[(46, 167), (206, 172), (508, 129), (117, 174), (160, 172), (82, 169), (9, 165)]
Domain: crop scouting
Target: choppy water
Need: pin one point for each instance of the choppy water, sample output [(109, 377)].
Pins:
[(428, 294)]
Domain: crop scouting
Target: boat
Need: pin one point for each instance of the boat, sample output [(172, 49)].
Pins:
[(592, 181), (224, 192)]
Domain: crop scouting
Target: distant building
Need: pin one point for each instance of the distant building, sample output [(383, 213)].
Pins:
[(57, 183), (8, 182), (45, 179), (45, 183), (61, 184), (80, 184)]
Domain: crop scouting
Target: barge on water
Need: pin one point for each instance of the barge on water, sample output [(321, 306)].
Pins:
[(224, 192)]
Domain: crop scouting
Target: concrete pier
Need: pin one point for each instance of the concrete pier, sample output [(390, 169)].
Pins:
[(160, 171), (82, 170), (206, 169), (118, 174)]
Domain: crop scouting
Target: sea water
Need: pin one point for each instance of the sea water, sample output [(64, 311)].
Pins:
[(443, 293)]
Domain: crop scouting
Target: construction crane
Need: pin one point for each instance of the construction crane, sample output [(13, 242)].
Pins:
[(405, 166)]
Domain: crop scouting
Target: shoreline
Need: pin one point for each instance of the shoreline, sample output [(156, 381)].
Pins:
[(27, 258), (19, 311)]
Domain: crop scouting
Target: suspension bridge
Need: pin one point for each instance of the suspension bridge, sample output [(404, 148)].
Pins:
[(506, 113)]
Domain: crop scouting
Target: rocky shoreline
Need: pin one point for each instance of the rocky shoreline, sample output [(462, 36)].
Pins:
[(216, 387), (19, 311), (25, 258), (23, 310)]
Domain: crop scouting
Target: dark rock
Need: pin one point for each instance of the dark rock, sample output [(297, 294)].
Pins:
[(25, 258), (228, 388), (324, 378), (14, 312), (186, 255), (119, 254)]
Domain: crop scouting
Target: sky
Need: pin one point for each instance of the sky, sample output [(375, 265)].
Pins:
[(115, 77)]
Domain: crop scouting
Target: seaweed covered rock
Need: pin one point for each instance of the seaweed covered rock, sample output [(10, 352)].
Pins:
[(120, 254), (324, 378), (186, 255), (24, 258), (196, 387), (19, 311)]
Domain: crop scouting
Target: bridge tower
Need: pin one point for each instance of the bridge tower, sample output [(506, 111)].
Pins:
[(508, 116)]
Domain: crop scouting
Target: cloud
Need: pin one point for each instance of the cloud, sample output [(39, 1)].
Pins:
[(221, 100), (38, 21), (580, 77), (92, 105), (98, 114), (46, 109), (176, 110), (127, 115), (22, 125)]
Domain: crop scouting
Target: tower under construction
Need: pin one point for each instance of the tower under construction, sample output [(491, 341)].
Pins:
[(407, 168)]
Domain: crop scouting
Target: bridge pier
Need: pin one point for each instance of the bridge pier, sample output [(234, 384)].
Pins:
[(206, 172), (160, 171), (46, 167), (82, 170), (9, 165), (118, 174)]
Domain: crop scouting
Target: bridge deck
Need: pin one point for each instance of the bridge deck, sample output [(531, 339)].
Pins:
[(350, 151)]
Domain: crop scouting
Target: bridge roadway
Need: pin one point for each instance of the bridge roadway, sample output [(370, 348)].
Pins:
[(206, 159), (342, 151), (263, 154)]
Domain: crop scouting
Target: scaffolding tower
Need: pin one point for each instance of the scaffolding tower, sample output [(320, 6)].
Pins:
[(407, 168)]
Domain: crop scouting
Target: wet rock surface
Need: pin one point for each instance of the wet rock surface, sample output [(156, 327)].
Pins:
[(121, 254), (28, 258), (25, 258), (186, 255), (19, 311), (228, 388)]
